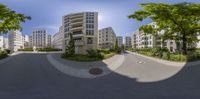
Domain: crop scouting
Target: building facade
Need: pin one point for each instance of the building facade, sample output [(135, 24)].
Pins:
[(39, 38), (15, 40), (128, 42), (198, 43), (120, 41), (58, 39), (25, 41), (143, 40), (49, 41), (107, 38), (84, 28), (1, 42)]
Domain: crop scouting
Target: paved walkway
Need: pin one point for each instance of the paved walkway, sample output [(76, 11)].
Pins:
[(32, 76), (81, 69), (165, 62)]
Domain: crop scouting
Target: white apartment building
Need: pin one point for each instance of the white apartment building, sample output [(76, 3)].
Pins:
[(142, 40), (15, 40), (1, 42), (107, 38), (128, 42), (30, 42), (58, 39), (49, 41), (25, 41), (84, 28), (198, 43), (39, 38), (120, 41)]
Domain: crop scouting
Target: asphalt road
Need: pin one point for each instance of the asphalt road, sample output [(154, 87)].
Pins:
[(31, 76)]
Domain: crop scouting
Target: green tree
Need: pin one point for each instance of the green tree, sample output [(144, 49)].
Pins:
[(10, 20), (70, 48), (180, 22), (116, 45)]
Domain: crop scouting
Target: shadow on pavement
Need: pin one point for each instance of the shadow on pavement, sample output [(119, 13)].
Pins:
[(29, 76)]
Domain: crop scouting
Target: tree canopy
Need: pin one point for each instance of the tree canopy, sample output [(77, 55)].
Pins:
[(10, 20), (178, 21)]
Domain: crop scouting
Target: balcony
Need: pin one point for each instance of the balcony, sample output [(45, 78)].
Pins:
[(77, 28), (76, 20), (79, 42)]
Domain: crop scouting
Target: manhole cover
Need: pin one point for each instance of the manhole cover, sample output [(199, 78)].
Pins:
[(140, 62), (96, 71)]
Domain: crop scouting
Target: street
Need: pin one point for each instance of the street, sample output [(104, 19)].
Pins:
[(31, 76)]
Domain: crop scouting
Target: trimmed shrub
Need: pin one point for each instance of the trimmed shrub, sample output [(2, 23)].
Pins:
[(26, 49), (48, 49), (166, 55), (3, 54), (7, 51), (105, 51), (178, 57), (94, 53)]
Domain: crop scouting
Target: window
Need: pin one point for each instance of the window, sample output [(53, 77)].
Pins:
[(89, 41)]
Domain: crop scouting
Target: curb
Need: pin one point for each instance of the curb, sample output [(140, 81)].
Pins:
[(84, 73)]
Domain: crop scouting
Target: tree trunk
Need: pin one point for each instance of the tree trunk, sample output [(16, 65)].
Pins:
[(184, 48)]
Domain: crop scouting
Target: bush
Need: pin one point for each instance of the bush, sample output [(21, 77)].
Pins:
[(166, 55), (7, 51), (48, 49), (178, 57), (105, 51), (94, 53), (26, 49), (3, 54)]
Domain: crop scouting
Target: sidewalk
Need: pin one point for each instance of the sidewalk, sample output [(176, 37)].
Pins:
[(81, 69), (171, 63)]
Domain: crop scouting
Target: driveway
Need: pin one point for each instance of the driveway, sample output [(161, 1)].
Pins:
[(31, 76)]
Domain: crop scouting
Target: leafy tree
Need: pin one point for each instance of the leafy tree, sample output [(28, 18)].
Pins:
[(10, 20), (70, 48), (179, 22), (116, 44)]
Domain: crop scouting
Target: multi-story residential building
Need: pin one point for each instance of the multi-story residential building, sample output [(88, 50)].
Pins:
[(128, 42), (15, 40), (25, 41), (84, 28), (30, 42), (198, 43), (107, 38), (49, 41), (6, 43), (1, 42), (120, 41), (142, 40), (58, 39), (39, 38)]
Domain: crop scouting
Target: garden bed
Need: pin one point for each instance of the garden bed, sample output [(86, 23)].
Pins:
[(166, 55), (87, 58)]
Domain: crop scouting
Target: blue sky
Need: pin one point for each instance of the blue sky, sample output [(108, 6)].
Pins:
[(48, 13)]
